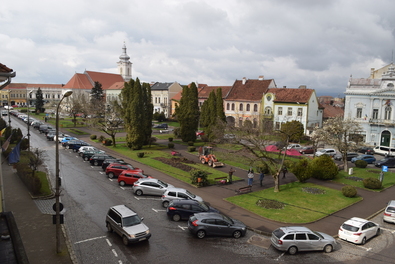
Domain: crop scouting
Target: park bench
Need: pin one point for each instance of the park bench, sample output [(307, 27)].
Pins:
[(245, 189), (220, 180)]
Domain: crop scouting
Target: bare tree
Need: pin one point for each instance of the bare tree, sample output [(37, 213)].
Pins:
[(77, 104), (36, 159)]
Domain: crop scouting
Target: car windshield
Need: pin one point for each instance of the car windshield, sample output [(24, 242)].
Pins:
[(130, 167), (190, 194), (227, 219), (204, 206), (318, 234), (163, 183), (350, 228), (391, 209), (131, 220), (278, 233)]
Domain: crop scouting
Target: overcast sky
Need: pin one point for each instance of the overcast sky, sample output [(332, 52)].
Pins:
[(295, 42)]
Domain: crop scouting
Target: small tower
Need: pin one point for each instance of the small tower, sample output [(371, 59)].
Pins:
[(124, 65)]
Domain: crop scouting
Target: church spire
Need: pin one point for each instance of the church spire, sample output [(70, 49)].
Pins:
[(124, 65)]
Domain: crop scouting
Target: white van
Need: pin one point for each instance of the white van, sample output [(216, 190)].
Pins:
[(384, 150)]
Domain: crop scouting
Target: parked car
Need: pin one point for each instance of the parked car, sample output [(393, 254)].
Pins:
[(127, 223), (307, 150), (37, 124), (299, 238), (82, 149), (389, 162), (178, 193), (66, 139), (44, 128), (163, 125), (107, 162), (294, 146), (389, 212), (183, 209), (329, 152), (61, 137), (114, 169), (384, 150), (370, 159), (350, 155), (150, 186), (357, 230), (129, 177), (98, 159), (215, 224), (86, 155), (366, 150)]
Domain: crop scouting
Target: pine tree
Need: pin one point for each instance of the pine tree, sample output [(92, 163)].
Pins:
[(135, 136), (220, 106), (188, 113), (148, 112), (39, 100)]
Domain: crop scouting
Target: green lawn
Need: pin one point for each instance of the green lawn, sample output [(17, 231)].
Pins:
[(362, 173), (300, 207)]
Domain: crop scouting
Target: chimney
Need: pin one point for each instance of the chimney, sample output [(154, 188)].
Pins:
[(260, 77), (302, 86), (244, 80), (284, 86)]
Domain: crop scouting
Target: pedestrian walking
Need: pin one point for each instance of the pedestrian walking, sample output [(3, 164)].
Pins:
[(250, 175), (284, 170), (261, 176), (231, 171)]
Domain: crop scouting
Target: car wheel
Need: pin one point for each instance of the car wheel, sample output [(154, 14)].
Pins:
[(176, 217), (203, 161), (328, 248), (111, 175), (67, 147), (378, 232), (165, 204), (86, 158), (201, 234), (139, 192), (237, 234), (109, 228), (122, 183), (96, 163), (125, 240), (303, 152), (363, 241), (210, 163), (293, 250)]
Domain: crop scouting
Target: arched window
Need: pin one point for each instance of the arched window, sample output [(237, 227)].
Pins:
[(255, 108), (387, 113), (233, 106), (241, 107), (227, 106), (248, 108), (268, 110)]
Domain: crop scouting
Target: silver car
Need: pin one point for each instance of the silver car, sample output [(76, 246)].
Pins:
[(178, 193), (299, 238), (150, 186)]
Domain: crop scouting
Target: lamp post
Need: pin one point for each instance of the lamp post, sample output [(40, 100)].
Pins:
[(57, 179), (28, 118), (9, 117)]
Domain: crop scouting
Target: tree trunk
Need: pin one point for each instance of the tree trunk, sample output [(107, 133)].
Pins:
[(113, 140), (276, 182)]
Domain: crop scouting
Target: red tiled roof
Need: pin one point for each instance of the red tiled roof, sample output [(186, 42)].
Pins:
[(206, 90), (291, 95), (117, 86), (177, 97), (43, 85), (79, 81), (252, 90), (87, 80), (332, 111), (4, 68)]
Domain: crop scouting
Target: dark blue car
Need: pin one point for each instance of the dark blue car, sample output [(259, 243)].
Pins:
[(370, 159), (184, 208)]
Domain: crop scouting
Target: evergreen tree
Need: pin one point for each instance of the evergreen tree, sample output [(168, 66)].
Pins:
[(188, 113), (39, 101), (148, 112), (220, 105), (136, 134), (97, 101)]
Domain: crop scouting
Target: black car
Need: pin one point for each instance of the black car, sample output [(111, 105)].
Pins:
[(51, 135), (366, 150), (389, 162), (183, 209), (97, 160), (164, 125), (350, 155), (107, 162)]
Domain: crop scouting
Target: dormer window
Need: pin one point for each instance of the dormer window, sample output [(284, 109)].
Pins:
[(390, 85)]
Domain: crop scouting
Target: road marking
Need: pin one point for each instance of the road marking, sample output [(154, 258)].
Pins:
[(110, 179), (158, 210), (101, 172), (277, 259), (108, 242), (183, 228), (367, 249), (125, 188), (115, 253), (387, 229), (90, 239)]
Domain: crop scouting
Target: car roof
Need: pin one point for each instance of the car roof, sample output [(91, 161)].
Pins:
[(184, 201), (208, 215), (176, 189), (391, 203), (124, 210), (356, 221), (290, 229)]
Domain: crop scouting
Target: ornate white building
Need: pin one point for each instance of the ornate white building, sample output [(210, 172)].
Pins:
[(124, 65)]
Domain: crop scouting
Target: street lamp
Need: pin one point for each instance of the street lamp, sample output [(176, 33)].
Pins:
[(28, 118), (9, 117), (57, 179)]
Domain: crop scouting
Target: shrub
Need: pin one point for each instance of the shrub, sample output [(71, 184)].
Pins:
[(301, 171), (101, 138), (199, 177), (191, 143), (170, 139), (170, 145), (349, 191), (93, 137), (361, 164), (191, 149), (323, 168), (107, 142), (177, 132), (140, 154), (372, 183)]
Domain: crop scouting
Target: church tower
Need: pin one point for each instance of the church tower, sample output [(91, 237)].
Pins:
[(124, 65)]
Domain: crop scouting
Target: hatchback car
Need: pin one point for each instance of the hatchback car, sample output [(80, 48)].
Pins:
[(389, 212), (215, 224), (126, 223), (183, 209), (329, 152), (307, 150), (299, 238), (129, 177), (107, 162), (366, 150), (178, 193), (357, 230), (150, 186), (98, 159), (350, 156), (114, 169), (370, 159), (389, 162)]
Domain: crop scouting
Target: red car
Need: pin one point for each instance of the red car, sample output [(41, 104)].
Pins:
[(307, 150), (129, 177), (114, 169), (199, 133)]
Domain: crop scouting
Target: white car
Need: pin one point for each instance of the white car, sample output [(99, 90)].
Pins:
[(389, 213), (329, 152), (295, 146), (357, 230)]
